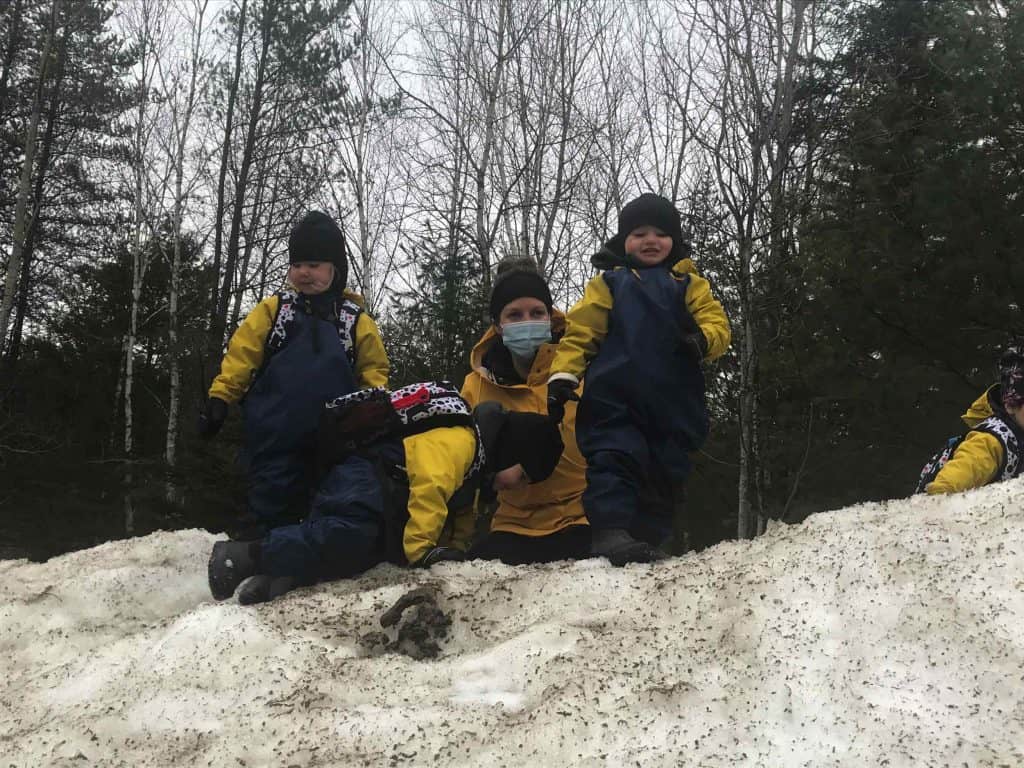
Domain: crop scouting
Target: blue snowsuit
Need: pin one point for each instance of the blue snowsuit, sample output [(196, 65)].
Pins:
[(283, 406), (643, 408), (347, 530)]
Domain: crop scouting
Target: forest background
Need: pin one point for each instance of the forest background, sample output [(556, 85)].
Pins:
[(850, 172)]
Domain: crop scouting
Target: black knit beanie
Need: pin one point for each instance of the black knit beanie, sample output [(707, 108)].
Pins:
[(647, 210), (511, 437), (516, 278), (317, 238)]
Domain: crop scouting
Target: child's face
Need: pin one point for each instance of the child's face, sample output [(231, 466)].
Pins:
[(311, 277), (1017, 414), (648, 245)]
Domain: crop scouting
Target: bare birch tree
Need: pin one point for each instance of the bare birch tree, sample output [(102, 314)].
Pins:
[(367, 142), (182, 82), (757, 47)]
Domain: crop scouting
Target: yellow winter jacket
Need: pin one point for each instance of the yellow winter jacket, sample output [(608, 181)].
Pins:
[(246, 348), (980, 409), (588, 322), (976, 460), (974, 464), (556, 503), (436, 463)]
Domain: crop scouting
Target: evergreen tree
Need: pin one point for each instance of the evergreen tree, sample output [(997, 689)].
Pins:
[(911, 266), (72, 208), (435, 324)]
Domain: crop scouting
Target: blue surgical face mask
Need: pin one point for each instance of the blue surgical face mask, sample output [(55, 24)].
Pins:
[(524, 339)]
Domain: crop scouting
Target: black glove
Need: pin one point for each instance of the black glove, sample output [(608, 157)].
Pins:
[(560, 391), (695, 346), (440, 555), (212, 417)]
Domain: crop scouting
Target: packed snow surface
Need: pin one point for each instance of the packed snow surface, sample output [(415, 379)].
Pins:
[(883, 634)]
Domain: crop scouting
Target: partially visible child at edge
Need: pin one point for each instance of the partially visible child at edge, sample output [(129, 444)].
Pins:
[(640, 333), (993, 448), (307, 343), (400, 493)]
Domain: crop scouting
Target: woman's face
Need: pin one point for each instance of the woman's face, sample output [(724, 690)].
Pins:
[(522, 310), (311, 277)]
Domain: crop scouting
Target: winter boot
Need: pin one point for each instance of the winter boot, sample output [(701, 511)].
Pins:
[(261, 588), (231, 563), (620, 548)]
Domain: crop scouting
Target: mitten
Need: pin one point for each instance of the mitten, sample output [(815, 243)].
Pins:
[(695, 346), (440, 555), (560, 391), (212, 417)]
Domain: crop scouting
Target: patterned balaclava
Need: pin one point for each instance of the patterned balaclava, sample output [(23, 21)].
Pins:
[(1011, 377)]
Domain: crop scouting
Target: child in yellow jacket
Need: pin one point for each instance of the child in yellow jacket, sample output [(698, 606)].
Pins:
[(993, 449), (641, 331), (302, 346), (401, 471)]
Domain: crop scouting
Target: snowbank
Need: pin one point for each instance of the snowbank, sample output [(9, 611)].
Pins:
[(879, 634)]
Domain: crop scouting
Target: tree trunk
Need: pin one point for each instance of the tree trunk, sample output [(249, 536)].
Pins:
[(181, 141), (46, 152), (216, 339), (746, 517), (241, 186), (21, 206), (482, 234), (140, 260)]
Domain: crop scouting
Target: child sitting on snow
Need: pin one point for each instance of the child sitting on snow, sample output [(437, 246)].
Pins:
[(993, 449), (395, 464), (640, 332)]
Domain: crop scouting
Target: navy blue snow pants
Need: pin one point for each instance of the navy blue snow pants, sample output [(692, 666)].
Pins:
[(343, 534), (282, 410), (642, 408)]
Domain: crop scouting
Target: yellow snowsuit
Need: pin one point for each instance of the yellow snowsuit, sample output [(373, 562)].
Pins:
[(556, 503), (246, 350), (437, 463), (588, 321)]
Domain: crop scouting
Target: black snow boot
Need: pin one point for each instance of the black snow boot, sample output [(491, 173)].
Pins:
[(231, 563), (620, 548), (260, 589)]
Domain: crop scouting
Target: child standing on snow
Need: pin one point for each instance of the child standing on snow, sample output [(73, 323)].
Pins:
[(993, 449), (640, 333), (302, 346), (396, 464)]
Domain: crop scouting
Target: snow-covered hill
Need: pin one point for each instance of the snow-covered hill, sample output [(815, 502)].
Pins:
[(883, 634)]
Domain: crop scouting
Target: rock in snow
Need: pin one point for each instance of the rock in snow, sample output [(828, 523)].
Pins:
[(882, 634)]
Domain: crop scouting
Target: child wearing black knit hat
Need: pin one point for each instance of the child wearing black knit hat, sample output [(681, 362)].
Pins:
[(305, 344), (641, 331), (993, 448)]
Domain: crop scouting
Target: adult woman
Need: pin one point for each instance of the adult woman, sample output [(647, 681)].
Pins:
[(544, 521)]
